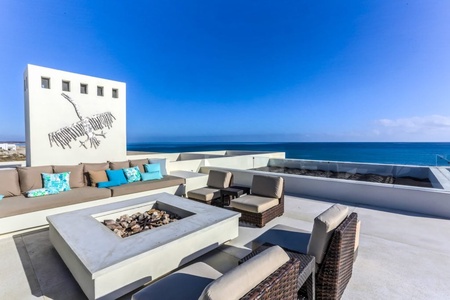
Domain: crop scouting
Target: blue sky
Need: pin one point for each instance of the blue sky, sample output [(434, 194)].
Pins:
[(244, 70)]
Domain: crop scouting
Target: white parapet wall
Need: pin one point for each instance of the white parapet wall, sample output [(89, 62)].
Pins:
[(430, 201), (86, 124)]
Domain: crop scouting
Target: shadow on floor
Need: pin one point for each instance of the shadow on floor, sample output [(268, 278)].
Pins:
[(46, 272)]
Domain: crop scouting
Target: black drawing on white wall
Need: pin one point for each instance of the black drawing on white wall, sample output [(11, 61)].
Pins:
[(90, 128)]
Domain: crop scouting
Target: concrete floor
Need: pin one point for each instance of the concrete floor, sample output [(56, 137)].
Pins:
[(401, 256)]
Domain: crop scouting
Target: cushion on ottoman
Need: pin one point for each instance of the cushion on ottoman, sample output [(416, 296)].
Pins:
[(323, 228), (256, 204), (9, 183), (30, 178), (219, 179), (240, 280), (267, 186), (76, 174)]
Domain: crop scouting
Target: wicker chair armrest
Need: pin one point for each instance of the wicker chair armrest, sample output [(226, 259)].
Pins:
[(281, 284)]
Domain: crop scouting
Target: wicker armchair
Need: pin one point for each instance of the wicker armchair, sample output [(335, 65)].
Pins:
[(333, 247), (265, 203), (200, 281), (336, 269)]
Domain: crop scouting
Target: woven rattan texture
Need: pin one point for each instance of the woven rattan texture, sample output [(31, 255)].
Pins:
[(281, 284), (260, 219), (336, 269)]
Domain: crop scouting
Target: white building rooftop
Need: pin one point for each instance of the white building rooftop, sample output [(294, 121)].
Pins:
[(402, 255)]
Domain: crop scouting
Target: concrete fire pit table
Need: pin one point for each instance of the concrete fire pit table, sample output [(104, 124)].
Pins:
[(107, 266)]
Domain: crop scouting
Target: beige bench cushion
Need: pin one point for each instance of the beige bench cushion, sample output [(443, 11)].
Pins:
[(88, 167), (323, 228), (17, 205), (139, 163), (219, 179), (240, 280), (9, 183), (149, 185), (117, 165), (187, 283), (204, 194), (97, 176), (76, 178), (267, 186), (256, 204), (30, 178)]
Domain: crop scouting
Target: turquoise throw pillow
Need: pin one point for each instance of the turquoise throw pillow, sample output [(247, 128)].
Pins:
[(58, 181), (116, 176), (41, 192), (150, 176), (105, 184), (154, 170), (1, 197), (132, 174)]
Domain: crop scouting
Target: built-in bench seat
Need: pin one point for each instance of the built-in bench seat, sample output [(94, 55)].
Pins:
[(18, 212), (142, 186), (12, 206)]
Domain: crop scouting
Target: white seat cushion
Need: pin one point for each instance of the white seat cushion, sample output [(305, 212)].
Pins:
[(324, 226), (187, 283), (204, 194), (240, 280), (252, 203)]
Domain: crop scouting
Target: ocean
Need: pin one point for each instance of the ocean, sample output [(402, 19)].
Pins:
[(425, 154)]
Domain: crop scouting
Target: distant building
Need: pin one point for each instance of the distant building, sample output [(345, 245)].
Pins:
[(8, 147)]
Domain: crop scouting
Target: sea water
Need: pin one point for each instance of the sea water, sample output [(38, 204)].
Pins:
[(426, 154)]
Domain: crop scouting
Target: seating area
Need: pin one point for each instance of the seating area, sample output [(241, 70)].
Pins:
[(330, 249), (331, 243), (31, 193), (390, 263), (217, 180), (271, 274), (274, 257)]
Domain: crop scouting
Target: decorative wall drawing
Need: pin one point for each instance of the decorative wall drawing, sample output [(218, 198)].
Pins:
[(87, 127)]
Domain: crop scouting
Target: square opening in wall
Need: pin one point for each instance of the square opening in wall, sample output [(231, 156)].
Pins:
[(45, 82), (66, 86), (115, 93), (99, 91), (83, 88)]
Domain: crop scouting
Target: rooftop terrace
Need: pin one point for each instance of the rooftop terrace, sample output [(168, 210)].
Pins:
[(402, 255)]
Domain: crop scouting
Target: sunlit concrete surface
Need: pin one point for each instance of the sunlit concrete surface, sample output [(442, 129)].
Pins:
[(401, 256)]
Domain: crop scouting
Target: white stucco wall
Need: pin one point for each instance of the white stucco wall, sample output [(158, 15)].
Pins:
[(47, 111)]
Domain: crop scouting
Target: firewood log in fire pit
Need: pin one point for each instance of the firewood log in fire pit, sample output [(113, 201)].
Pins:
[(126, 225)]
